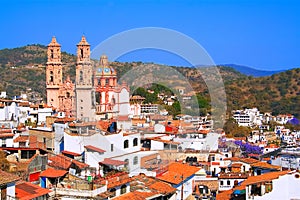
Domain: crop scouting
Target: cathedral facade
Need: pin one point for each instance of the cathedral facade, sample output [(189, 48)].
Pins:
[(95, 95)]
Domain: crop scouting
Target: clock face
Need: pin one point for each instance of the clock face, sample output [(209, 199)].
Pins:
[(99, 69)]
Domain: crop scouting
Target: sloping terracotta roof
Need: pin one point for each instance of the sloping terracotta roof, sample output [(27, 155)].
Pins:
[(6, 135), (234, 175), (22, 138), (136, 195), (64, 162), (53, 173), (65, 120), (28, 191), (5, 130), (112, 184), (70, 153), (109, 161), (162, 187), (226, 195), (265, 165), (143, 182), (93, 148), (236, 165), (264, 177), (6, 177), (177, 172)]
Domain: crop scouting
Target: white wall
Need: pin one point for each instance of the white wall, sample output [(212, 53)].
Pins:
[(2, 114), (187, 189), (286, 187), (11, 190), (77, 143)]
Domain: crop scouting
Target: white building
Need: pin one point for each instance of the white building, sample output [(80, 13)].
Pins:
[(273, 185), (122, 148), (248, 117)]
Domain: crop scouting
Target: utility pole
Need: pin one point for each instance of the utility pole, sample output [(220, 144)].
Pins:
[(182, 187)]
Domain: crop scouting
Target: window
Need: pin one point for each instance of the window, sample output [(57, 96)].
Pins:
[(106, 81), (212, 158), (127, 162), (52, 56), (111, 147), (68, 95), (135, 160), (4, 142), (81, 76), (51, 76), (123, 189), (135, 142), (126, 144), (221, 183), (258, 172), (81, 53), (228, 182), (113, 191)]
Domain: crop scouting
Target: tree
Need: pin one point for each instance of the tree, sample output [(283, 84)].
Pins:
[(3, 161)]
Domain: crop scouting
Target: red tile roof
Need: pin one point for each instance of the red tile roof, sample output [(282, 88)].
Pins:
[(264, 177), (22, 138), (28, 191), (4, 130), (6, 135), (162, 187), (6, 177), (70, 153), (93, 148), (265, 165), (53, 173), (109, 161), (136, 195), (64, 162), (177, 172)]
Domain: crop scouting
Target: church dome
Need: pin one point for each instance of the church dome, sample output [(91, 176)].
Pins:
[(104, 69)]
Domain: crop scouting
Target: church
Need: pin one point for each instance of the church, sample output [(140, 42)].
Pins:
[(95, 95)]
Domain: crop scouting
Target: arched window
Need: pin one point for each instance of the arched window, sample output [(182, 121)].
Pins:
[(194, 159), (52, 56), (51, 76), (135, 160), (126, 144), (68, 95), (123, 189), (187, 159), (135, 142)]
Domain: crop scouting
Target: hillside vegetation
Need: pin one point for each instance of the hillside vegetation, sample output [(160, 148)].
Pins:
[(23, 70)]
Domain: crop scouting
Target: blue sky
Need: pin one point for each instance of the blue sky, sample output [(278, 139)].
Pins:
[(263, 34)]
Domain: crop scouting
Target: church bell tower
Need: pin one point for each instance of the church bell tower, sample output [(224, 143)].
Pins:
[(85, 107), (53, 73)]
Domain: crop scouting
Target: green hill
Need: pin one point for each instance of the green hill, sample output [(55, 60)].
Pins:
[(23, 70)]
